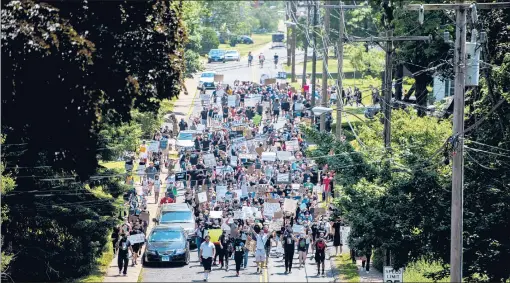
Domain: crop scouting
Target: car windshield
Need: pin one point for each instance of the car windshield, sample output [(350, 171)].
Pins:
[(176, 217), (208, 75), (165, 236), (185, 136), (216, 52), (231, 52)]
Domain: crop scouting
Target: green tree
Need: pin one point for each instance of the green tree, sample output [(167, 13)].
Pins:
[(73, 70), (209, 40)]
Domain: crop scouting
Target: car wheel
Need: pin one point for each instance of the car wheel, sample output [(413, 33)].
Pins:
[(144, 263), (209, 61), (187, 259)]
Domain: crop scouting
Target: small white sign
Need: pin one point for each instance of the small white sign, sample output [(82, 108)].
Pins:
[(137, 238), (216, 214), (284, 155), (298, 229), (233, 161), (269, 156), (231, 101), (153, 146), (220, 192), (238, 214), (209, 160), (292, 145), (202, 197), (271, 208), (392, 276), (283, 178)]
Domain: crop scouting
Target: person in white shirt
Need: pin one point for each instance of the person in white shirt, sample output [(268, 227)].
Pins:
[(157, 188), (207, 252), (260, 250)]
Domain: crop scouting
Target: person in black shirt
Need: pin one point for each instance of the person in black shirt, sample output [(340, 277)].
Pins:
[(320, 253), (123, 247), (288, 247), (197, 143), (238, 254), (203, 116), (225, 249), (206, 144)]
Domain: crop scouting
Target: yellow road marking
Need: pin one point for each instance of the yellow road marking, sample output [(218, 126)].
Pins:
[(192, 104), (266, 276)]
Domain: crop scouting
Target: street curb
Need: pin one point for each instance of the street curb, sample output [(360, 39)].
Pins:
[(190, 109)]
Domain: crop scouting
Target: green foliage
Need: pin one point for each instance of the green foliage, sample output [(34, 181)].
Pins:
[(193, 63), (83, 76), (209, 40), (371, 62)]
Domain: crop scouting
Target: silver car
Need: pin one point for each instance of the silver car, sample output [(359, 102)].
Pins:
[(232, 55)]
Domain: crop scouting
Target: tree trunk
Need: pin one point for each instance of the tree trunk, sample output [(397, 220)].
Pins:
[(398, 83)]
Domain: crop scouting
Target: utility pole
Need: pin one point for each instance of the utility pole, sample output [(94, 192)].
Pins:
[(339, 79), (288, 43), (387, 84), (456, 244), (314, 57), (325, 69), (293, 44), (388, 80), (305, 44)]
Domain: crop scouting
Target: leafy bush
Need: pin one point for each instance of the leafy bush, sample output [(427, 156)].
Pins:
[(209, 40)]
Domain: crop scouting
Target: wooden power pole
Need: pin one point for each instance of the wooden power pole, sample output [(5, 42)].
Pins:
[(314, 57), (388, 75), (456, 244), (324, 100), (293, 44)]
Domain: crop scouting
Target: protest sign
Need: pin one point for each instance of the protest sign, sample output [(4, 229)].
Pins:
[(258, 215), (163, 143), (276, 225), (153, 146), (209, 160), (237, 194), (202, 197), (225, 227), (215, 235), (220, 169), (298, 106), (218, 77), (251, 102), (238, 214), (231, 101), (180, 176), (292, 145), (271, 208), (283, 155), (278, 215), (220, 192), (289, 205), (144, 215), (298, 229), (216, 214), (137, 238), (282, 75), (269, 81), (295, 187), (133, 218), (319, 211), (233, 161), (283, 178), (268, 156), (206, 98)]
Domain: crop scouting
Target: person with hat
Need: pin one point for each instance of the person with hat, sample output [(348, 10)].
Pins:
[(207, 253)]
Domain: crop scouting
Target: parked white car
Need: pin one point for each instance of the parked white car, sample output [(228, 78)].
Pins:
[(232, 55)]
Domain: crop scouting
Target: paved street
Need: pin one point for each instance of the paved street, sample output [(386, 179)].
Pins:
[(275, 273)]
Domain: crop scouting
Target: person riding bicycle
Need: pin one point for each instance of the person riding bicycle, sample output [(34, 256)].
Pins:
[(250, 58), (275, 60)]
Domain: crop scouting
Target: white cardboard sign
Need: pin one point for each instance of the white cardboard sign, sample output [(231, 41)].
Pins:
[(269, 156), (202, 197), (284, 155), (209, 160)]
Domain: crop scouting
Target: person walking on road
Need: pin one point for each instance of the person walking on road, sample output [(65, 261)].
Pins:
[(302, 248), (289, 245), (123, 247), (157, 188), (207, 252), (260, 252), (320, 253), (238, 254)]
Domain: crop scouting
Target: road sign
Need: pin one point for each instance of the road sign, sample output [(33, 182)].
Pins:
[(393, 276)]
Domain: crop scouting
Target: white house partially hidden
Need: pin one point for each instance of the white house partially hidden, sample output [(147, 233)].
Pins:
[(442, 88)]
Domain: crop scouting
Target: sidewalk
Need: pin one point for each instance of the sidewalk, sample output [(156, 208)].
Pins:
[(182, 109), (372, 276)]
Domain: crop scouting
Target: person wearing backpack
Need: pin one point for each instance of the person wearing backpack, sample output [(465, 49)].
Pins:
[(320, 253), (301, 246)]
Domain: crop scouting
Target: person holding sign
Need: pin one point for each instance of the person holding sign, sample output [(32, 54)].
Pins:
[(289, 243), (207, 253), (238, 254)]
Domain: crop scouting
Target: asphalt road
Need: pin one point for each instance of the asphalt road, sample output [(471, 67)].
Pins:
[(275, 272)]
